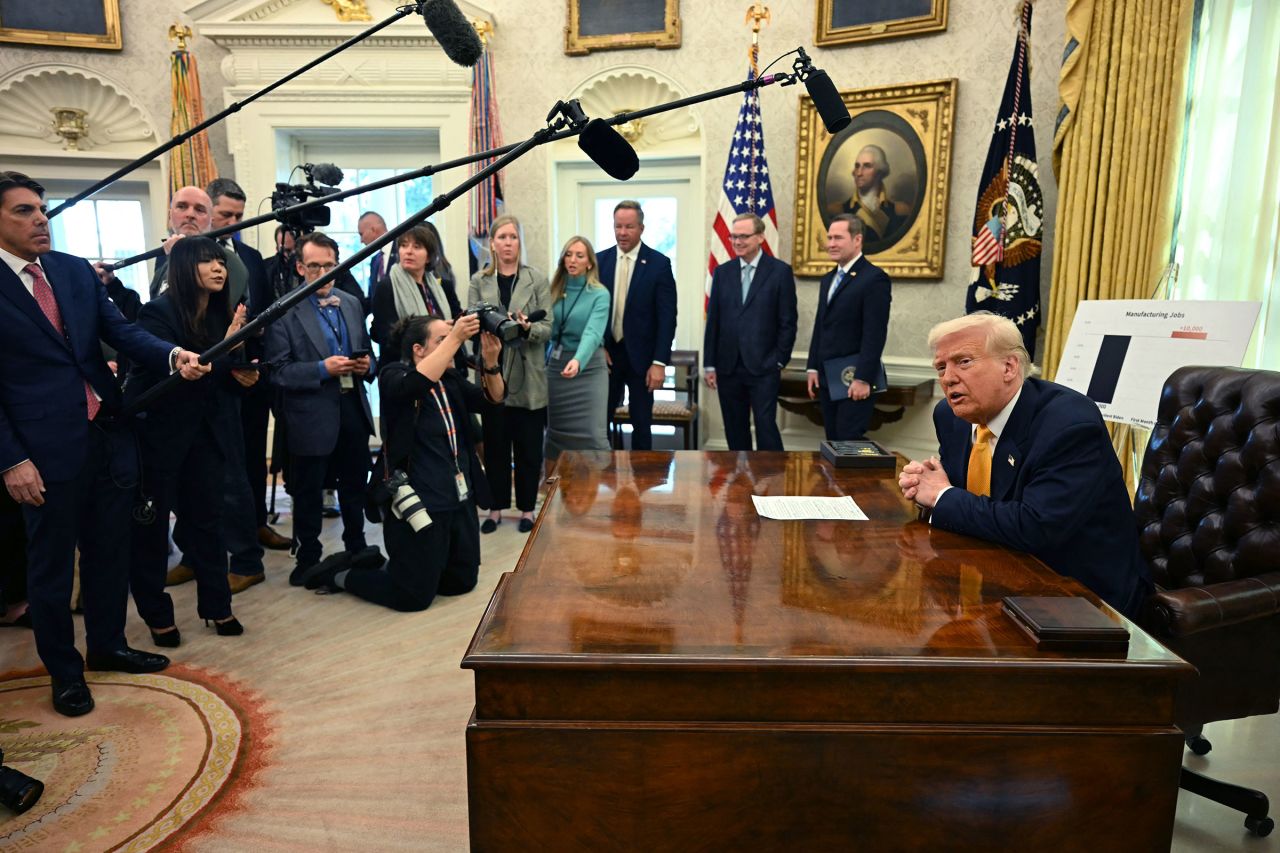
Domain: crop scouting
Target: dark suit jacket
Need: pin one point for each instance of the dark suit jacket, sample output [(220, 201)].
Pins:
[(762, 332), (649, 317), (1057, 492), (171, 421), (856, 321), (42, 400), (311, 408)]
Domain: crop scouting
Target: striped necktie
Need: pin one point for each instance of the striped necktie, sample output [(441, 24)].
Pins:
[(44, 298)]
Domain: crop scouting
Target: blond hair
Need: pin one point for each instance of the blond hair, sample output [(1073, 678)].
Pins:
[(593, 271), (1003, 336), (504, 219)]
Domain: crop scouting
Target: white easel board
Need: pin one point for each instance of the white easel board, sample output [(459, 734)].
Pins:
[(1120, 351)]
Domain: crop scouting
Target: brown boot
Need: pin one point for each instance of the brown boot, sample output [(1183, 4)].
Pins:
[(268, 538), (239, 583), (179, 574)]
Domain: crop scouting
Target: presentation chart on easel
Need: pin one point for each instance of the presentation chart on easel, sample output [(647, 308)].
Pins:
[(1121, 351)]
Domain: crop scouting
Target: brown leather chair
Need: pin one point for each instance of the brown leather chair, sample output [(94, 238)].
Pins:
[(1208, 507)]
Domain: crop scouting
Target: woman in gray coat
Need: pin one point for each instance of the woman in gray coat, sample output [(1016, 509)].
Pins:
[(515, 430)]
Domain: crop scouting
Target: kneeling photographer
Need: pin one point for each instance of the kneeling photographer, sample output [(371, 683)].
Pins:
[(429, 515)]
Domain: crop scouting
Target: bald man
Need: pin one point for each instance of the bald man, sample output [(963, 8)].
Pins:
[(191, 213)]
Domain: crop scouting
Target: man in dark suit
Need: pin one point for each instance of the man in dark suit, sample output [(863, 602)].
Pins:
[(1026, 463), (371, 226), (751, 327), (642, 312), (319, 354), (852, 319), (65, 455)]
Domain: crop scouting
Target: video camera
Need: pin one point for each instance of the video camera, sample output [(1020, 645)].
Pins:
[(322, 179)]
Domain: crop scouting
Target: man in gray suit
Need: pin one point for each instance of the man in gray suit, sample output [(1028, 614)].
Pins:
[(320, 357)]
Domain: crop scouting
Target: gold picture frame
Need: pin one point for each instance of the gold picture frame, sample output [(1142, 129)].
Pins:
[(621, 25), (911, 126), (849, 21), (109, 39)]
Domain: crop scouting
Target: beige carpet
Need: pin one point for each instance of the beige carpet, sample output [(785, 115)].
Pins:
[(362, 709)]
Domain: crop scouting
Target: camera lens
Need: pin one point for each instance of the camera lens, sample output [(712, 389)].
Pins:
[(18, 791)]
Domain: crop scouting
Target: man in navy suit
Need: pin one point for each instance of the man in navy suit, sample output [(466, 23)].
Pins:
[(65, 455), (1026, 463), (852, 319), (751, 327), (642, 320), (319, 353)]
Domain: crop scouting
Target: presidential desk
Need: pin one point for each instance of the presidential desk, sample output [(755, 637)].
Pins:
[(665, 670)]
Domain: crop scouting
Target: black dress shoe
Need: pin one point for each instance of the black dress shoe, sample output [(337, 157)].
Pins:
[(489, 525), (72, 699), (295, 576), (526, 524), (125, 660), (332, 564), (229, 628)]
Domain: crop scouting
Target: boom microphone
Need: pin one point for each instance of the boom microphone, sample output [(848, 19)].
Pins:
[(835, 115), (457, 38), (608, 150), (324, 173)]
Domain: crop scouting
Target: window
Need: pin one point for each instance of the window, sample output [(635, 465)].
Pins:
[(103, 230), (394, 203)]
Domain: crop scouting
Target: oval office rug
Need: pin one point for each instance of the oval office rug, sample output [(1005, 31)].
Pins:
[(159, 755)]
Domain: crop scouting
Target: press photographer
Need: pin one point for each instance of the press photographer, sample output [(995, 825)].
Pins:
[(426, 403)]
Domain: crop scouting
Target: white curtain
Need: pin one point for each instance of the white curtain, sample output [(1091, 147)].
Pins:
[(1228, 234)]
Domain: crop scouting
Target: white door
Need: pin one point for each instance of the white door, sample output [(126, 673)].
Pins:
[(674, 224)]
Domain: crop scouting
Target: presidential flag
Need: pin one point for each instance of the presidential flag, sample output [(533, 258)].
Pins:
[(1008, 222), (746, 187)]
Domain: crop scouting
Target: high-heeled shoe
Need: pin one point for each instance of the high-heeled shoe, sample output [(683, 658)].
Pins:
[(170, 639), (229, 628)]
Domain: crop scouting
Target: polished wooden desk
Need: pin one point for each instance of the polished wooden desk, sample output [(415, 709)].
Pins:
[(666, 671)]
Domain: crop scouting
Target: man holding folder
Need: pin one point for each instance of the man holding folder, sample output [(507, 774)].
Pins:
[(849, 333)]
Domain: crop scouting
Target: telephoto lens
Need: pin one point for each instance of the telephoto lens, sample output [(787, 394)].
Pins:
[(18, 791), (407, 506)]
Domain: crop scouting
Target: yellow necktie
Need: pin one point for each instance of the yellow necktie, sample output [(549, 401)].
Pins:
[(621, 281), (979, 477)]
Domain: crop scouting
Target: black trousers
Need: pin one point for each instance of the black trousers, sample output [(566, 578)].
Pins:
[(631, 377), (13, 552), (443, 559), (514, 433), (255, 413), (845, 419), (92, 509), (743, 396), (190, 483), (350, 459)]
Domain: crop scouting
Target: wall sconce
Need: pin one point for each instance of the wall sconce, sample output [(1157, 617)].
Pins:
[(71, 125)]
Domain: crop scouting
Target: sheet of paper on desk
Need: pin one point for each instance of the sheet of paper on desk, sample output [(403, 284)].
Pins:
[(803, 508)]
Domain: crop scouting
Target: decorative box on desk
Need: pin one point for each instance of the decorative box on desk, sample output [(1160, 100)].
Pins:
[(857, 454)]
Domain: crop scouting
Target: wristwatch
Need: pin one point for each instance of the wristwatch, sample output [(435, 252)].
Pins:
[(493, 371)]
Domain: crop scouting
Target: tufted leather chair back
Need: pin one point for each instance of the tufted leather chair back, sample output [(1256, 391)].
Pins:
[(1208, 504), (1208, 510)]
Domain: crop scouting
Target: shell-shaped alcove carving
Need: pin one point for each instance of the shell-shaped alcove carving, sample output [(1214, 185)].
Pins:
[(29, 96), (626, 89)]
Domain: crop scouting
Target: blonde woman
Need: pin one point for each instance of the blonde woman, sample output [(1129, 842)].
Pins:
[(514, 431), (577, 377)]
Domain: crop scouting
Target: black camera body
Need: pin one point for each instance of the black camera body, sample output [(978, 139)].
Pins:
[(287, 195), (18, 791), (495, 321)]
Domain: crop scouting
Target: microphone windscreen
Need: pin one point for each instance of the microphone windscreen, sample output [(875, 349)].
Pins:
[(608, 150), (326, 173), (835, 115), (540, 314), (458, 39)]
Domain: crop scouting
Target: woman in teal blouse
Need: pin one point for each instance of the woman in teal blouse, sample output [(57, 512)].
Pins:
[(577, 377)]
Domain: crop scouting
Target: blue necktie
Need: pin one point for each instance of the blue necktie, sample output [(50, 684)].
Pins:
[(746, 282), (835, 285)]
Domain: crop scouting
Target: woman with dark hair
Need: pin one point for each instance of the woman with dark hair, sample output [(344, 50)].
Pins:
[(440, 264), (577, 377), (515, 430), (425, 405), (179, 448), (414, 289)]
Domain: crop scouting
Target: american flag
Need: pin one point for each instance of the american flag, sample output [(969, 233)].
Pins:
[(746, 187), (988, 244)]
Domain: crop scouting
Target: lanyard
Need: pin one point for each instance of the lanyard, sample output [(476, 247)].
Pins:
[(337, 330), (446, 412), (564, 319)]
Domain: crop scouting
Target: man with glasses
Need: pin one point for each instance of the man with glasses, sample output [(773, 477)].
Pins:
[(1026, 463), (320, 358), (849, 332), (751, 327)]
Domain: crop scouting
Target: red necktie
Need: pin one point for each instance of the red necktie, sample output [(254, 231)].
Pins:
[(44, 298)]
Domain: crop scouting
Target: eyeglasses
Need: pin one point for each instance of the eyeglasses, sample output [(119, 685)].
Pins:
[(741, 236), (320, 267)]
